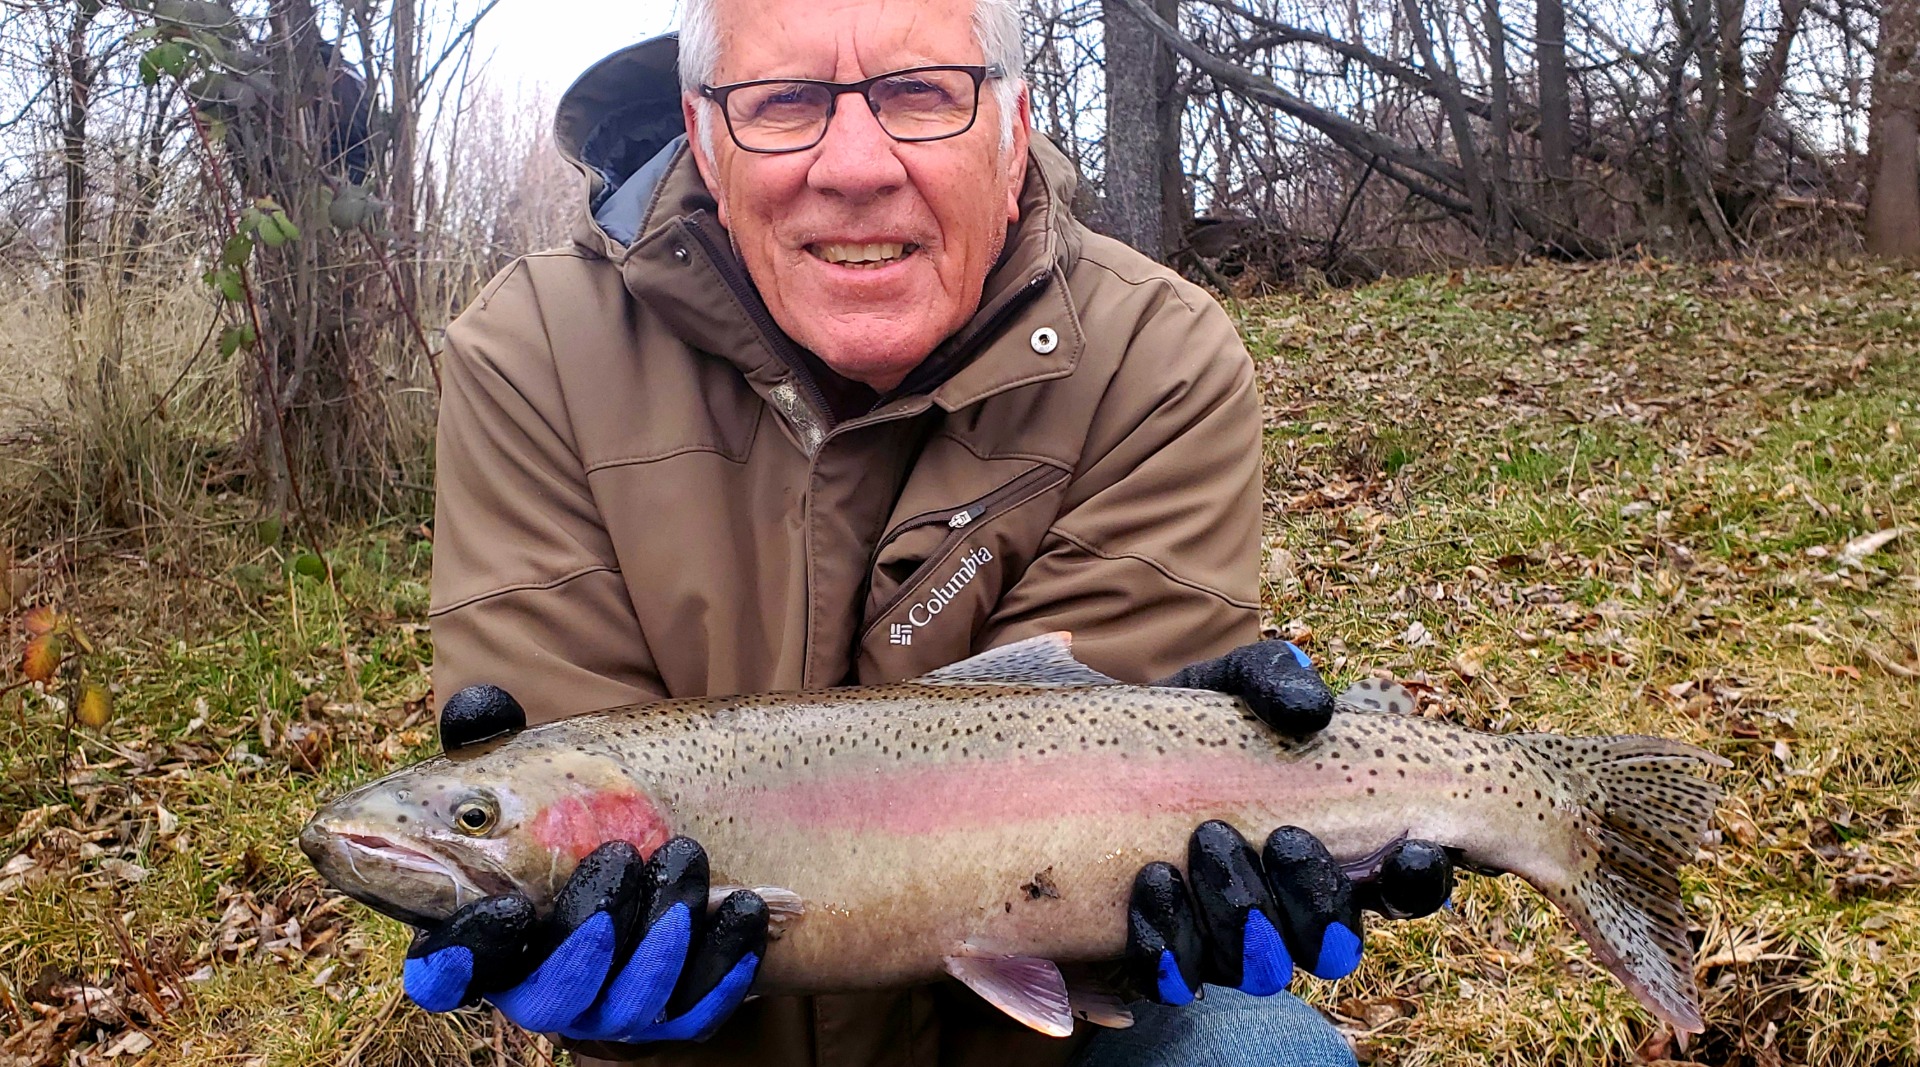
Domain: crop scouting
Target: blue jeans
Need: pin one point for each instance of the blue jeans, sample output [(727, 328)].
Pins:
[(1225, 1029)]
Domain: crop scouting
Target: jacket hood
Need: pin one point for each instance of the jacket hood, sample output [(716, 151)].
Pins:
[(620, 123)]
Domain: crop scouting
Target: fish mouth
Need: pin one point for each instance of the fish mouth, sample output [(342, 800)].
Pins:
[(380, 872)]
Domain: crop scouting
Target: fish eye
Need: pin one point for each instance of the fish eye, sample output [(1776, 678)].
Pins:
[(476, 816)]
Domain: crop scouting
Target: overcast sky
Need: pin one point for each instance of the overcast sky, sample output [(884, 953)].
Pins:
[(546, 43)]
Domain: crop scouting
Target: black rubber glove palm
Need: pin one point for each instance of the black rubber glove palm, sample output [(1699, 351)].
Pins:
[(1243, 918)]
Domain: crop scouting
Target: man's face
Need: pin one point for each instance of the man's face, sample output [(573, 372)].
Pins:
[(938, 209)]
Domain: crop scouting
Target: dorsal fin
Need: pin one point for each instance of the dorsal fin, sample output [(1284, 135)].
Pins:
[(1378, 695), (1045, 660)]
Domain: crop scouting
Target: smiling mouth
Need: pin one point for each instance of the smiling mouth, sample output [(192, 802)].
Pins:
[(862, 256)]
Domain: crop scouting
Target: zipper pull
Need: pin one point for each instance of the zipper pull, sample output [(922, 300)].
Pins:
[(960, 518)]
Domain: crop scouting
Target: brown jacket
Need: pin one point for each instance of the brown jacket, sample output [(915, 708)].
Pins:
[(642, 494)]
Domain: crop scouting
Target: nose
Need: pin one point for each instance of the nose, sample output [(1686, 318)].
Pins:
[(856, 157), (314, 840)]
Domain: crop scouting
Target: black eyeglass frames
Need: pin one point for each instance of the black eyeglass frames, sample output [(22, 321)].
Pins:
[(791, 114)]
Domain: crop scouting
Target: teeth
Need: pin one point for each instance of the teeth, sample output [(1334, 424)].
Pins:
[(869, 253)]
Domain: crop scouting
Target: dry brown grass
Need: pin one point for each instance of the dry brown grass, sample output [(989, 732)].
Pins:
[(1619, 499), (1613, 498)]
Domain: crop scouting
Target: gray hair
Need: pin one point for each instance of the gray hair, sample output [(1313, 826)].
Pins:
[(996, 29)]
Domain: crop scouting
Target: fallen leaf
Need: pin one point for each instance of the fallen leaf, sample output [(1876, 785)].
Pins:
[(123, 870), (131, 1043), (1857, 550)]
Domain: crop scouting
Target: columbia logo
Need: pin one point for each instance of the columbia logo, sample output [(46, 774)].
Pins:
[(900, 634)]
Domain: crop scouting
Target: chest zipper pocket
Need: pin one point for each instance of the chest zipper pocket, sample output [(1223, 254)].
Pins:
[(959, 522)]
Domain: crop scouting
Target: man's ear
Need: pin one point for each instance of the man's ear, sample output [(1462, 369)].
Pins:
[(699, 144), (1017, 153)]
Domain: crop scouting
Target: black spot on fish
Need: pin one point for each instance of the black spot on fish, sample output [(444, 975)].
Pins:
[(1042, 886)]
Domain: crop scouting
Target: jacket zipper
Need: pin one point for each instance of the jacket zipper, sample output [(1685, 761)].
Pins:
[(761, 318), (959, 522)]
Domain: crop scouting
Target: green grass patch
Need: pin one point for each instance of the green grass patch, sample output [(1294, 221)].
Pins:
[(1600, 499)]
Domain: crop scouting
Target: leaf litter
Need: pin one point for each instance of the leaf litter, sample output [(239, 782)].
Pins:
[(1626, 497)]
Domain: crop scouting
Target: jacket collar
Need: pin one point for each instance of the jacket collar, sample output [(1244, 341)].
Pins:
[(617, 124)]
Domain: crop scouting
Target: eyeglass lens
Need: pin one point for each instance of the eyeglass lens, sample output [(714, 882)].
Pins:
[(913, 105)]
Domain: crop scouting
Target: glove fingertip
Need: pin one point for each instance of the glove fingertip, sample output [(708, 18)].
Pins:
[(700, 1021), (438, 981), (1266, 965), (1339, 952), (1170, 984)]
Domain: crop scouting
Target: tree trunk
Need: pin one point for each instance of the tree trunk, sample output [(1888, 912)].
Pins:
[(1556, 105), (73, 138), (1747, 113), (406, 50), (1499, 119), (1141, 121), (1472, 170), (1893, 141)]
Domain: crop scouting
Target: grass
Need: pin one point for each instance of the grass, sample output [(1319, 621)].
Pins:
[(1599, 499)]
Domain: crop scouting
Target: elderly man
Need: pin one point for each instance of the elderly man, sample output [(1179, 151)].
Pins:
[(833, 389)]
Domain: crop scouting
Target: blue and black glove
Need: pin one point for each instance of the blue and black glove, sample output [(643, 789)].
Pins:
[(628, 954), (1274, 679), (1244, 919)]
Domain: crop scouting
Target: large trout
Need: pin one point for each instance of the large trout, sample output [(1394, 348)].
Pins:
[(906, 827)]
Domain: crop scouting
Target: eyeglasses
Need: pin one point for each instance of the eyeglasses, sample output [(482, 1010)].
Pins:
[(791, 114)]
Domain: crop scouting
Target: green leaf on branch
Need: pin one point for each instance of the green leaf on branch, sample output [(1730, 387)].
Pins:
[(286, 225), (227, 282), (169, 58), (238, 250), (235, 338)]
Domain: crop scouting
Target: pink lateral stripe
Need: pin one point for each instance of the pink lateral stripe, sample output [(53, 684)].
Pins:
[(929, 799)]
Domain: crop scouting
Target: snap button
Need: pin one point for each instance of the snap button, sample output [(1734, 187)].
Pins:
[(680, 253), (1044, 340)]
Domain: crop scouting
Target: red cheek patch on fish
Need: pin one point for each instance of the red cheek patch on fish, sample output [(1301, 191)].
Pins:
[(575, 826), (964, 794)]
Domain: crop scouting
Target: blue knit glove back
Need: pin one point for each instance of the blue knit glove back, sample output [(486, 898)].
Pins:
[(629, 953)]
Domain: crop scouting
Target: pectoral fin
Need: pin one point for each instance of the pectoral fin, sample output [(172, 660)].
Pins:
[(1099, 1007), (1029, 989)]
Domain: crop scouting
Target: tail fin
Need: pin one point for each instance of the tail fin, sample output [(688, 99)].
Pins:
[(1643, 816)]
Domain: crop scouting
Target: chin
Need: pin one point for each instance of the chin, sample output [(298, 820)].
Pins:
[(871, 353)]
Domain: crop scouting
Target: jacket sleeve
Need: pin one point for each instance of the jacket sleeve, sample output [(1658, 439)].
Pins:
[(527, 594), (1153, 562)]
